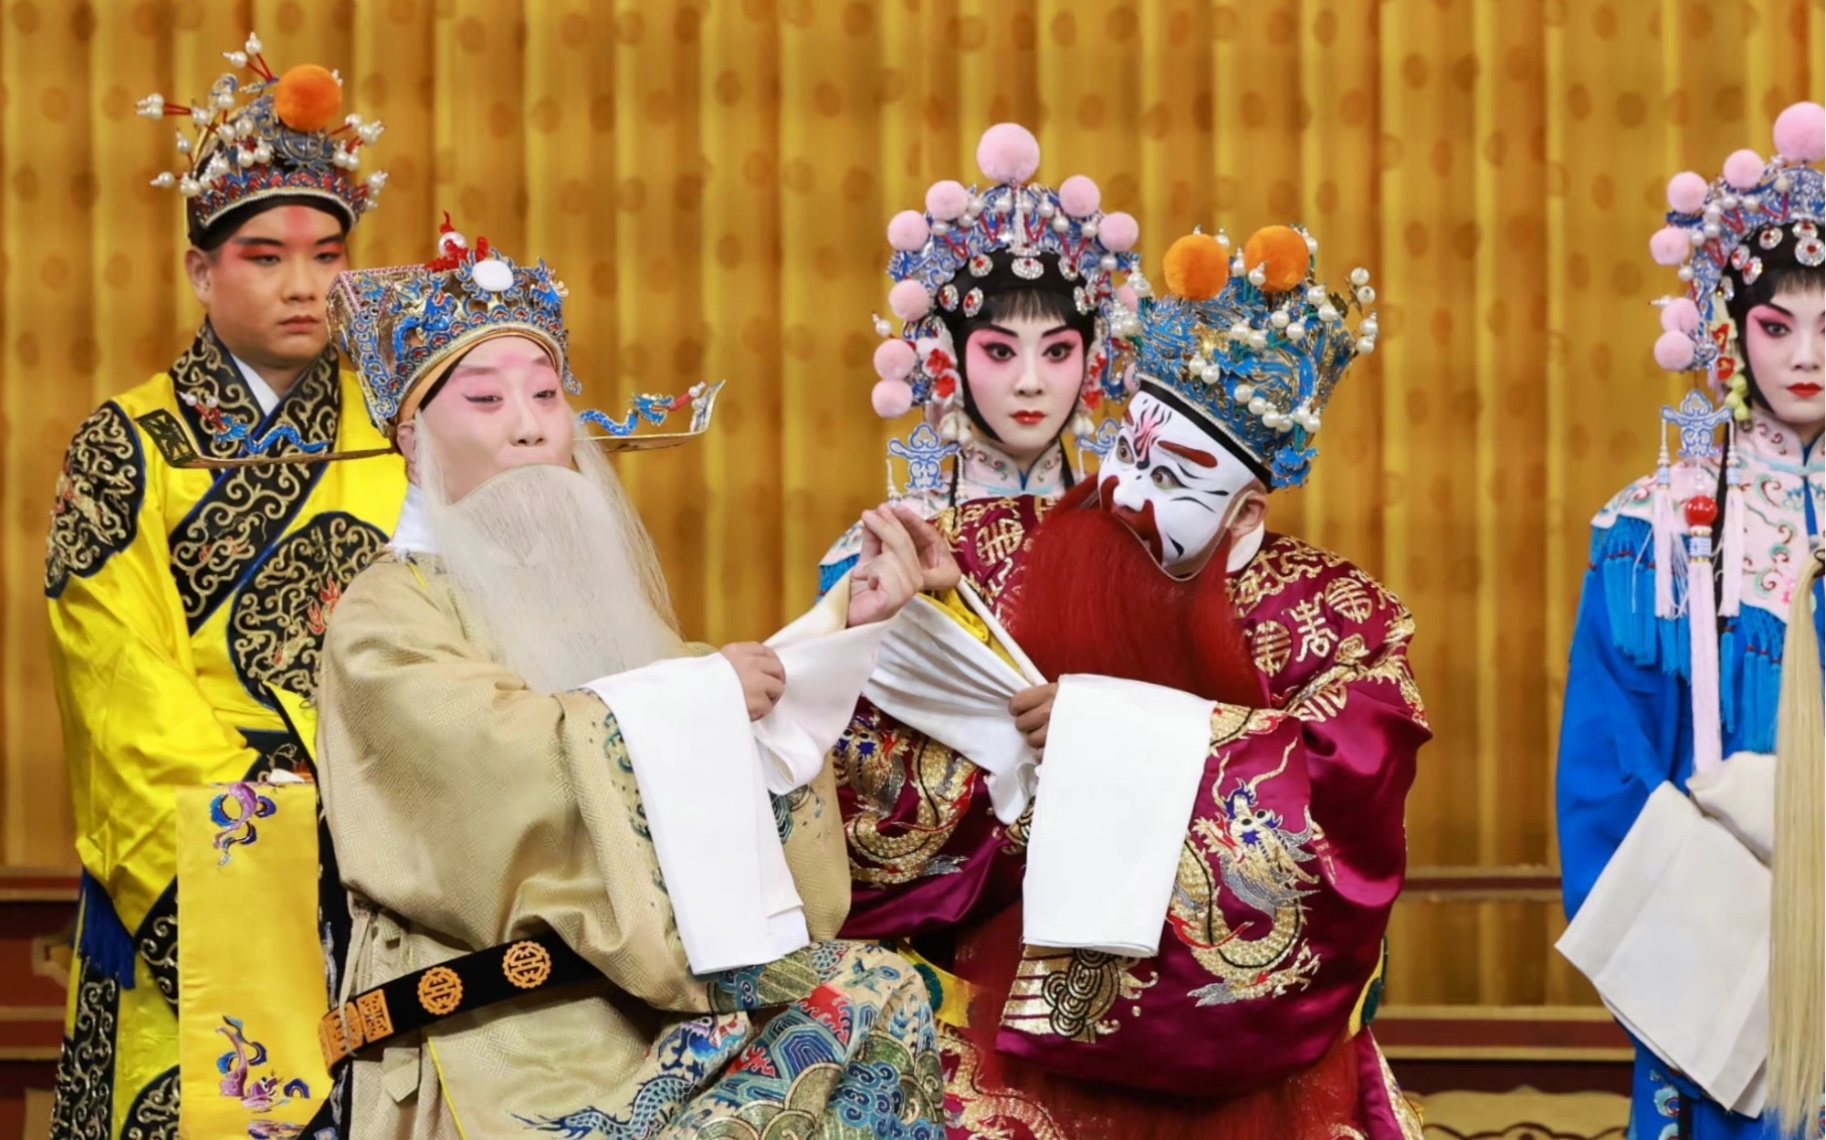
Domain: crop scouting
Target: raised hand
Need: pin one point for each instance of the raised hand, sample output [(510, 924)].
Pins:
[(762, 675), (937, 565), (887, 573)]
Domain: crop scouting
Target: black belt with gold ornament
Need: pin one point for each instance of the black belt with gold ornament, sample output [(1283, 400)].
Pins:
[(425, 997)]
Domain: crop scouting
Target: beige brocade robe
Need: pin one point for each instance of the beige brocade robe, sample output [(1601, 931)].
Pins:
[(468, 811)]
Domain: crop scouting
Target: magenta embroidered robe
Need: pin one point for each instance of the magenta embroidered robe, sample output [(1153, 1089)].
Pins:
[(1291, 863)]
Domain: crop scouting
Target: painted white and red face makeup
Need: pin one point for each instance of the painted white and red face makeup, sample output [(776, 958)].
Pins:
[(1784, 341), (501, 406), (1025, 374), (1176, 487), (265, 287)]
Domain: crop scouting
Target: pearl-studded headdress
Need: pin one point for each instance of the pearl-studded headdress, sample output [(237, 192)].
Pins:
[(1724, 227), (1717, 233), (1252, 345), (405, 326), (942, 254), (274, 136)]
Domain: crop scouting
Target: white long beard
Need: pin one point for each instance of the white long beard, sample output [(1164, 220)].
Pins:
[(553, 570)]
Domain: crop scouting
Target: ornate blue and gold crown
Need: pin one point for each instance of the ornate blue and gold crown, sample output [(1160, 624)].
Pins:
[(400, 326), (403, 327), (943, 255), (1718, 233), (277, 135), (1253, 347)]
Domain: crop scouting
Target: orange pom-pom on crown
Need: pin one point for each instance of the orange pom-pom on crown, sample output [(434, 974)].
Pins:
[(1282, 255), (1197, 267), (308, 98)]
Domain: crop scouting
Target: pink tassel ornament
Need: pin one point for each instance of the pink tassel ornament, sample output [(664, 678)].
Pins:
[(908, 231), (947, 200), (1680, 315), (1119, 232), (1731, 537), (1702, 634), (909, 300)]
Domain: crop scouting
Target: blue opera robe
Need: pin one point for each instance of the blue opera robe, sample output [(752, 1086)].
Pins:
[(1628, 723)]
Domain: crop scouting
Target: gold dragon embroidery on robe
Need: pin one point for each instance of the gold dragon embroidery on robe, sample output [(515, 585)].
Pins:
[(879, 759), (878, 763), (982, 1113), (1246, 850)]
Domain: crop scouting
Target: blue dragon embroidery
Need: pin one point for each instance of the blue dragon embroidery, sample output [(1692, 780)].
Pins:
[(231, 429), (651, 409), (686, 1057), (428, 321)]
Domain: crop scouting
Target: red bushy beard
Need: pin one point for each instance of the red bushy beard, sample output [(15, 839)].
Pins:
[(1091, 599)]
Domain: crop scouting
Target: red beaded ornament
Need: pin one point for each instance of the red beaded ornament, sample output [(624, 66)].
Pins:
[(1702, 510)]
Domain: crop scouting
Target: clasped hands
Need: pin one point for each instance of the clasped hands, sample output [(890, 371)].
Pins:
[(902, 555)]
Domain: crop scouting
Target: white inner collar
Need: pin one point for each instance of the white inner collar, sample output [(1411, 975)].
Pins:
[(263, 392), (413, 534), (1244, 549), (987, 472)]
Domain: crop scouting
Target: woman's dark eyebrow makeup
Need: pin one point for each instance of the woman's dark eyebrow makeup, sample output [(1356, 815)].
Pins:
[(1054, 331)]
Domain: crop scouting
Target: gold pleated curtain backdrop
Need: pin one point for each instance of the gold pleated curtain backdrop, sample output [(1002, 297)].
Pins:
[(713, 179)]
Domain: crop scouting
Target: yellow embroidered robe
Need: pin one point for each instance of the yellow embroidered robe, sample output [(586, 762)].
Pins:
[(468, 811), (185, 606)]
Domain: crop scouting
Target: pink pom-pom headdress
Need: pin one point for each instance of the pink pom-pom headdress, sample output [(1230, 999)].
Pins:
[(1717, 233), (939, 253), (1726, 225)]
